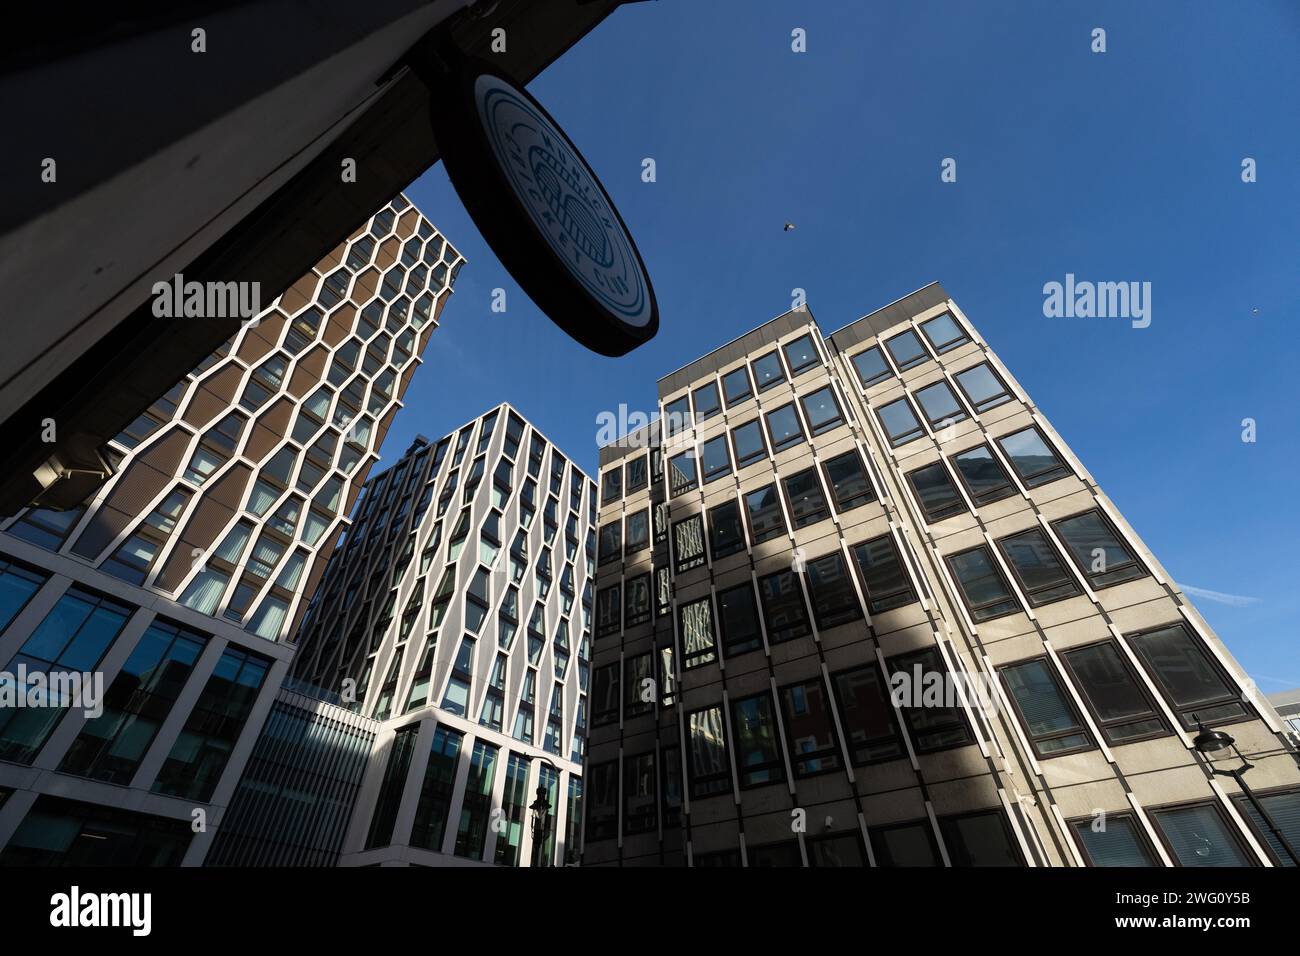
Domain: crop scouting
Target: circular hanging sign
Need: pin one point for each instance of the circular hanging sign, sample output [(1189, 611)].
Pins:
[(543, 211)]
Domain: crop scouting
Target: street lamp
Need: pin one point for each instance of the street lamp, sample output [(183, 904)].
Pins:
[(541, 808), (1209, 741)]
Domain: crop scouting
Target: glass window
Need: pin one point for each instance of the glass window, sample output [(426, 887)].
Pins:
[(807, 502), (436, 791), (783, 425), (809, 729), (1284, 808), (1098, 551), (677, 416), (1039, 570), (682, 474), (749, 444), (1110, 689), (44, 527), (688, 543), (714, 459), (822, 410), (710, 774), (907, 350), (768, 371), (801, 354), (17, 585), (936, 493), (765, 518), (985, 591), (636, 473), (1049, 719), (706, 402), (638, 685), (981, 385), (638, 531), (899, 422), (514, 805), (1032, 458), (198, 758), (933, 725), (774, 855), (940, 405), (59, 832), (1199, 836), (695, 621), (758, 755), (871, 367), (1113, 839), (980, 839), (883, 577), (867, 715), (738, 620), (726, 529), (73, 637), (736, 387), (611, 486), (111, 746), (637, 601), (983, 476), (604, 695), (834, 599), (849, 482), (611, 541), (905, 844), (607, 610), (1195, 686), (640, 803), (784, 610), (476, 807), (602, 806), (943, 333)]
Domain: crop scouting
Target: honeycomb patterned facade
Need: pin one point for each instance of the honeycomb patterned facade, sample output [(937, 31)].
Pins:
[(230, 489)]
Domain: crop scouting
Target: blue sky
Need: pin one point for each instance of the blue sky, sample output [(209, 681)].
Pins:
[(1119, 166)]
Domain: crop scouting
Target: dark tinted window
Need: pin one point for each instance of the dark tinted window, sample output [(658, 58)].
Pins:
[(738, 619), (933, 726), (1118, 843), (906, 844), (980, 839), (849, 482), (809, 729), (1112, 692), (1050, 720), (883, 577), (982, 586), (936, 493), (677, 416), (807, 503), (867, 715), (984, 478), (784, 611), (715, 459), (834, 599), (1097, 550), (1195, 686), (765, 518), (758, 752), (726, 530)]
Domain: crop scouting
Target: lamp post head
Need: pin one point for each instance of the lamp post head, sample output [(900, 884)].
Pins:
[(1209, 741)]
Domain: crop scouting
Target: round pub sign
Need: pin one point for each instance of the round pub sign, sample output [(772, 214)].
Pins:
[(543, 211)]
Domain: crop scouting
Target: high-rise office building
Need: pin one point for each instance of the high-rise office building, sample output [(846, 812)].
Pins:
[(180, 581), (859, 603), (456, 617)]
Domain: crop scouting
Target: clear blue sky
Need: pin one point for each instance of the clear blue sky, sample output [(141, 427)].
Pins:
[(1117, 166)]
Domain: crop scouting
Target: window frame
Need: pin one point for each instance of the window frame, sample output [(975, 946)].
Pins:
[(988, 404), (971, 608), (1031, 595), (1105, 725), (1135, 561), (948, 345), (1036, 740)]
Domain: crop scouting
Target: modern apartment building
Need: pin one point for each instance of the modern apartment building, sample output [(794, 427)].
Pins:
[(859, 604), (182, 579), (457, 617)]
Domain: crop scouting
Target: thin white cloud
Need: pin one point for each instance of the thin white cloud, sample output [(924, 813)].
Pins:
[(1234, 600)]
